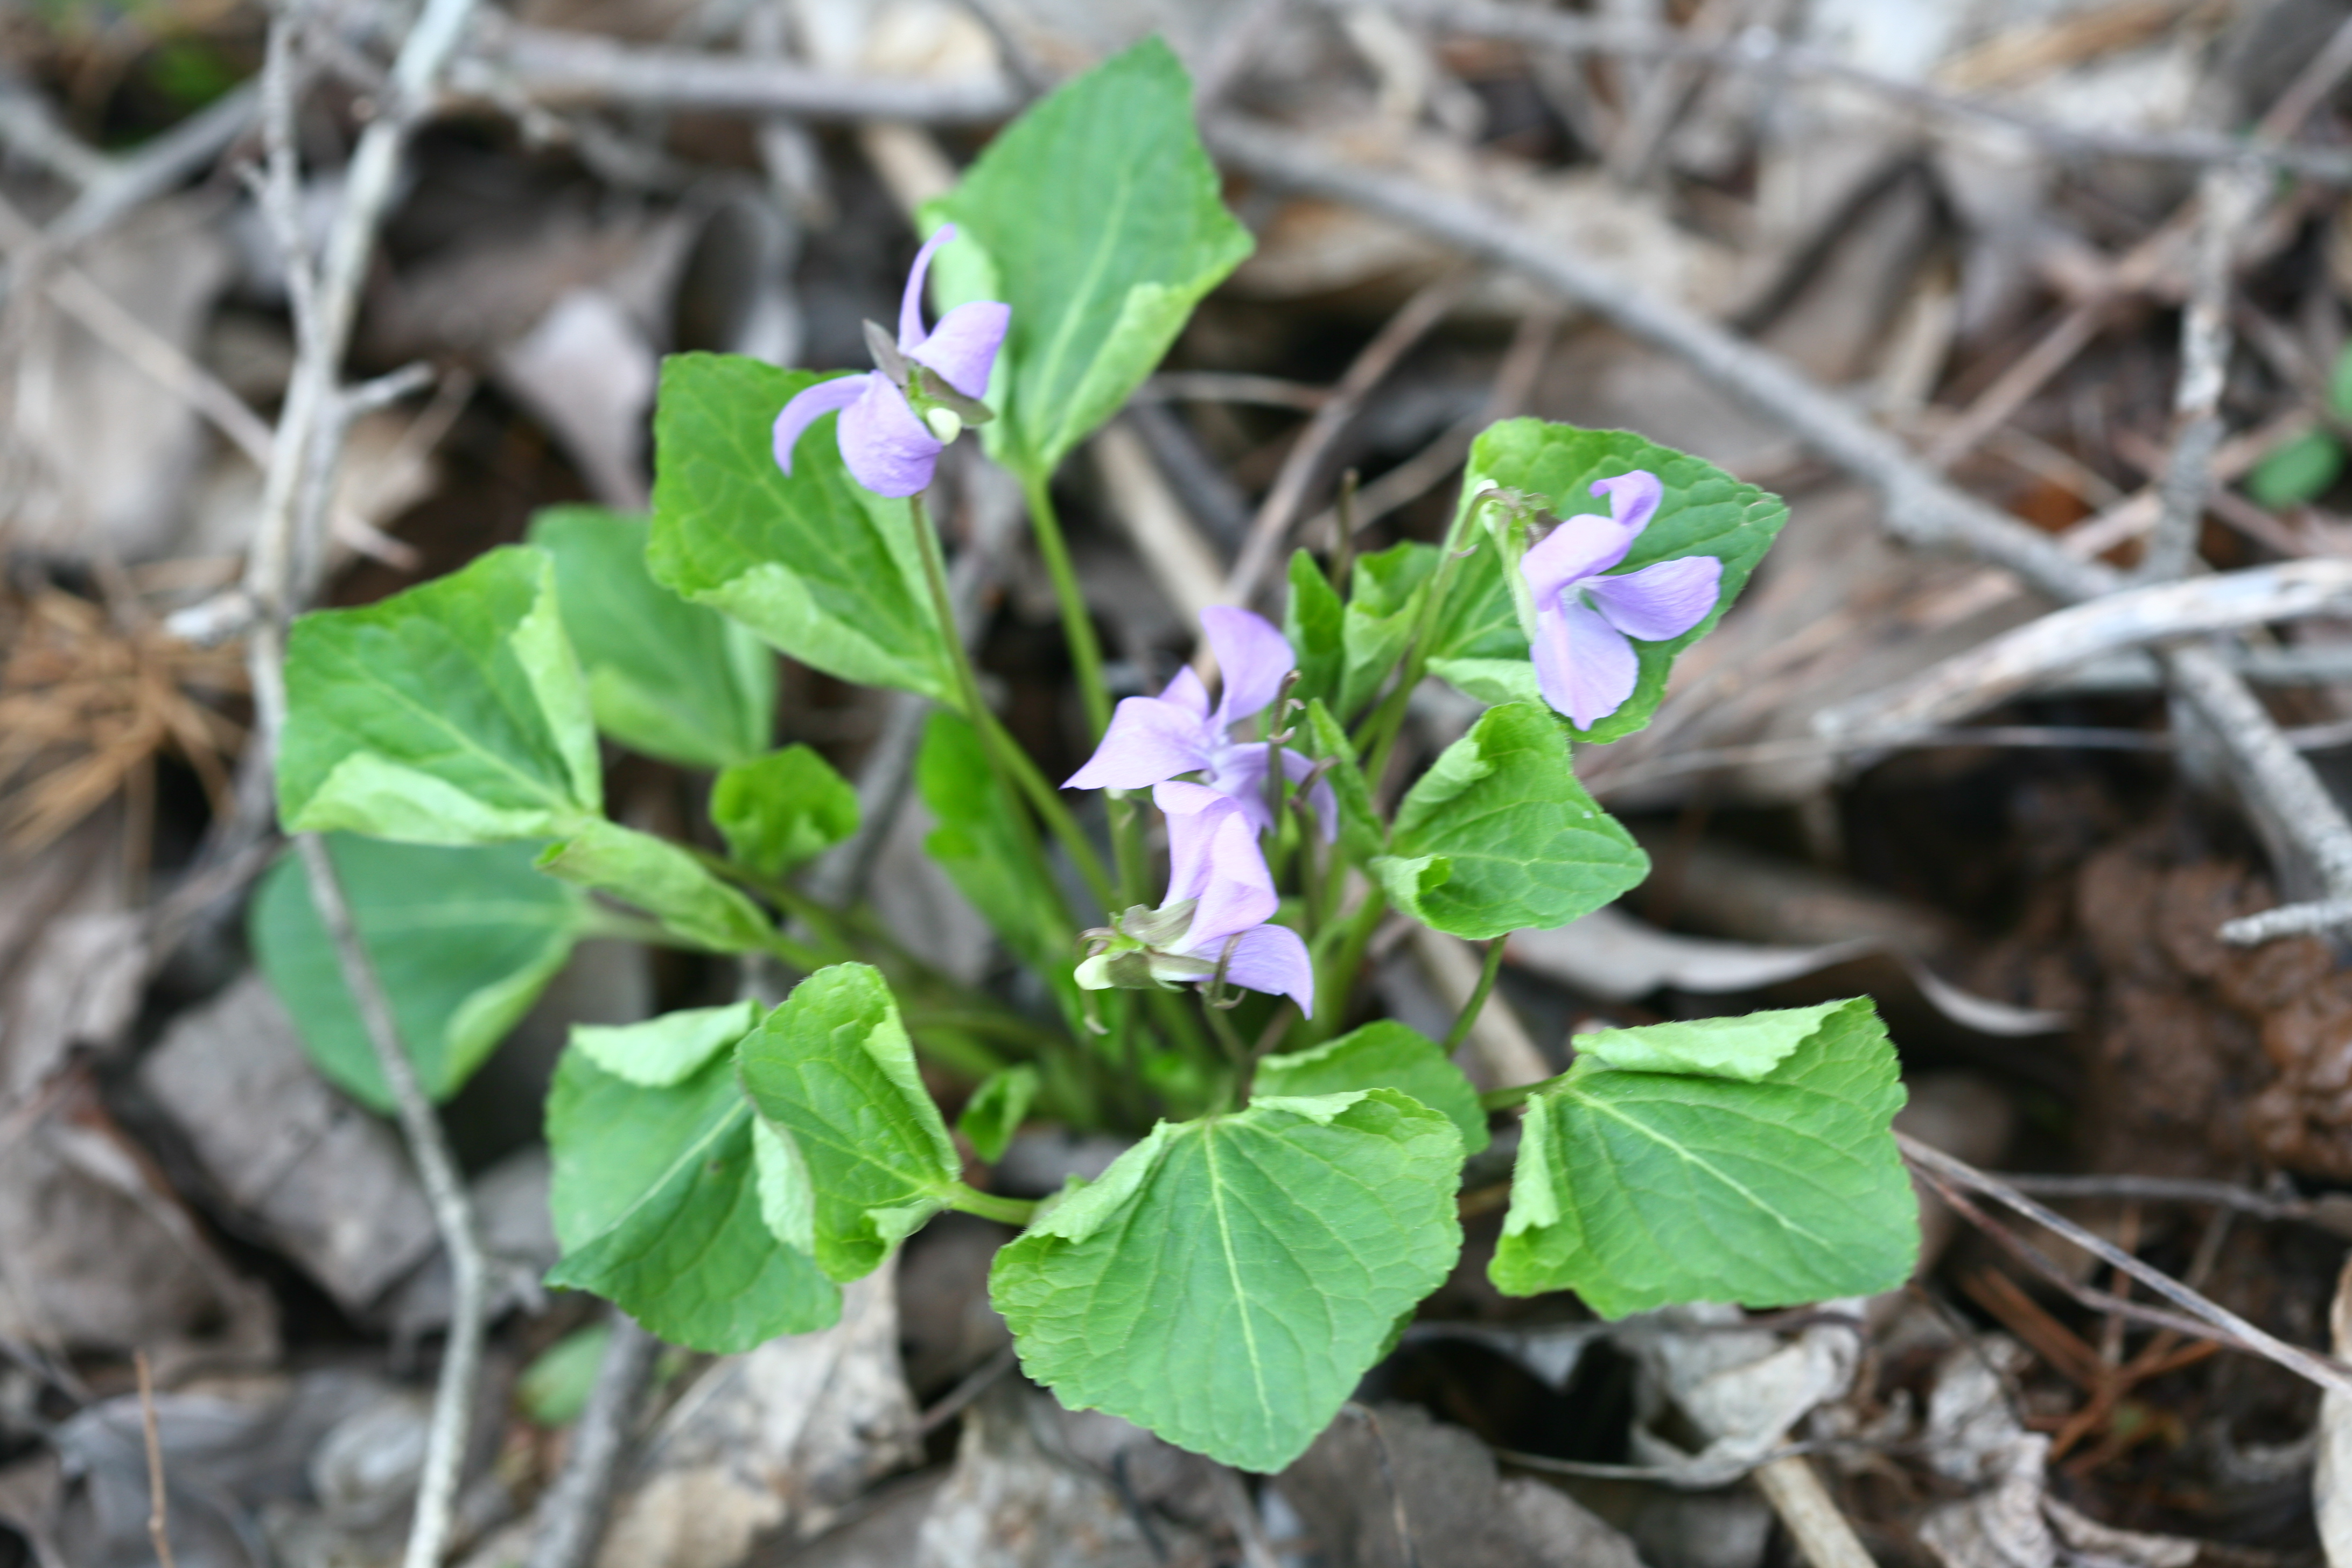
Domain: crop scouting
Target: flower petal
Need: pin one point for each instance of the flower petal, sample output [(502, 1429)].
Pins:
[(888, 450), (963, 347), (810, 405), (1584, 665), (1236, 890), (1238, 769), (1633, 497), (1148, 739), (1179, 797), (910, 303), (1273, 958), (1579, 548), (1187, 692), (1252, 660), (1662, 601), (1212, 856)]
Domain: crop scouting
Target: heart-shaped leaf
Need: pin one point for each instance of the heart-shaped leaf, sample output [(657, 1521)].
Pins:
[(1638, 1189), (1498, 836), (1228, 1282), (452, 713)]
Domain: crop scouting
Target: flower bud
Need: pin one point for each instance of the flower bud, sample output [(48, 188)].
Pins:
[(945, 422)]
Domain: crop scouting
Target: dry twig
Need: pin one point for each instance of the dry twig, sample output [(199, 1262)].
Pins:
[(2227, 201), (2280, 789), (159, 1507), (306, 451), (2017, 661), (571, 1516), (2205, 1319), (1271, 526), (545, 66), (1761, 51)]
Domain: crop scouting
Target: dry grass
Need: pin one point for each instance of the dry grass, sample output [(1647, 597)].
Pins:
[(90, 695)]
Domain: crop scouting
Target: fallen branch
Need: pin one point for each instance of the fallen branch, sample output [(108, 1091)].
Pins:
[(2227, 200), (158, 1506), (2208, 1318), (1762, 52), (1276, 513), (571, 1516), (306, 450), (2278, 786), (2018, 660), (544, 65)]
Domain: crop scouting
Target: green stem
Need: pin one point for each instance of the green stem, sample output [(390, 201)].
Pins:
[(1086, 653), (1518, 1094), (1176, 1021), (1334, 977), (1385, 724), (988, 1205), (1048, 803), (1478, 995), (1245, 1060), (1127, 847), (1014, 771), (980, 1020)]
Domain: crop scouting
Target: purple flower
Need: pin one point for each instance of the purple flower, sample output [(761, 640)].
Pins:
[(1213, 918), (890, 447), (1154, 739), (1584, 663)]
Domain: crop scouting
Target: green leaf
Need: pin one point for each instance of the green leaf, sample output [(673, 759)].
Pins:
[(666, 1050), (1312, 621), (657, 1206), (1639, 1189), (452, 713), (664, 880), (2339, 383), (1383, 608), (821, 567), (2297, 470), (1383, 1055), (1228, 1282), (781, 810), (463, 940), (996, 1109), (666, 678), (1362, 832), (1099, 214), (1746, 1049), (834, 1072), (554, 1388), (1493, 681), (1705, 511), (983, 845), (1498, 836)]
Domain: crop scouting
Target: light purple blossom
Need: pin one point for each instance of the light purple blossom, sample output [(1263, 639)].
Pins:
[(1213, 920), (1213, 857), (1154, 739), (1585, 664), (890, 448)]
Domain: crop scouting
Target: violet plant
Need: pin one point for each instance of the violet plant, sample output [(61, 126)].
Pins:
[(1292, 1192)]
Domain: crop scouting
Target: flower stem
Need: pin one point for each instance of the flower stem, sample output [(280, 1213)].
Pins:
[(988, 1205), (1048, 803), (1015, 772), (1518, 1094), (1335, 976), (1478, 995), (1086, 653), (1245, 1060), (1381, 729)]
